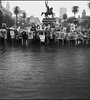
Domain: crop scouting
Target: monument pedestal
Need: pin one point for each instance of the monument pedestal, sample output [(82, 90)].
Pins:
[(49, 21)]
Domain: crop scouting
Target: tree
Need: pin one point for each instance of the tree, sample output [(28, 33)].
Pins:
[(70, 20), (73, 20), (29, 23), (85, 23), (24, 16), (21, 24), (16, 12), (8, 20), (28, 19), (75, 10), (64, 16)]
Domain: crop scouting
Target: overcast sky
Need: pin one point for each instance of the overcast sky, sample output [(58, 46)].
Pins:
[(36, 7)]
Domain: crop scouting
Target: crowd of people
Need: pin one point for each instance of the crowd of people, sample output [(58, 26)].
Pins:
[(44, 35)]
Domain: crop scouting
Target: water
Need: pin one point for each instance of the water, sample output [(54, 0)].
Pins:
[(45, 72)]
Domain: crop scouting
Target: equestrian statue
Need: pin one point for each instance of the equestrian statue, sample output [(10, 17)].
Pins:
[(49, 10)]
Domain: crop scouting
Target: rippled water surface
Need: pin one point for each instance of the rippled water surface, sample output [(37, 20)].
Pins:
[(45, 72)]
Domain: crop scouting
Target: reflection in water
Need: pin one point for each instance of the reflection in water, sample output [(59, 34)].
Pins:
[(44, 72)]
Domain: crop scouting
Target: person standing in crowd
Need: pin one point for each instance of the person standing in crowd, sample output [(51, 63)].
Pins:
[(30, 37), (20, 37), (3, 33), (16, 36), (4, 36), (51, 36), (88, 35), (47, 34), (0, 36), (38, 31), (42, 37), (8, 36), (33, 29), (12, 34), (24, 37)]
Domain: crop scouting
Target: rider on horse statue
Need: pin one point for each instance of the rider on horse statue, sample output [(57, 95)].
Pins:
[(49, 10), (46, 4)]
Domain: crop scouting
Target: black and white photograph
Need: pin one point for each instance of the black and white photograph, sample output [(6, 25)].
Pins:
[(44, 49)]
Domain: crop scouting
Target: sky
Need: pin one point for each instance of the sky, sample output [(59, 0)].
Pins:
[(35, 8)]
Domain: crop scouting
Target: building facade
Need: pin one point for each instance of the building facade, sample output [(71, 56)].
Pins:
[(35, 20), (83, 13), (5, 11), (62, 12)]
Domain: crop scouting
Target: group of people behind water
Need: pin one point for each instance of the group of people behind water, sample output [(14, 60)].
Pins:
[(46, 35)]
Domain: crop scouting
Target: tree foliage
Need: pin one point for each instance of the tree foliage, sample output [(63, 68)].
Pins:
[(71, 19), (85, 23), (75, 9), (64, 16), (8, 20), (24, 15), (16, 12), (22, 22)]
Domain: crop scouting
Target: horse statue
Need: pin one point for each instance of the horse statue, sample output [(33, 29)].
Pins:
[(49, 10)]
